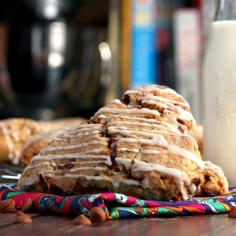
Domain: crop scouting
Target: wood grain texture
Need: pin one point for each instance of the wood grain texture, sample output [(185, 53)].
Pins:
[(9, 219), (191, 225)]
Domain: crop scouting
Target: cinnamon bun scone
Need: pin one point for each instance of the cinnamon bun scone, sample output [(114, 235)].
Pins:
[(138, 145)]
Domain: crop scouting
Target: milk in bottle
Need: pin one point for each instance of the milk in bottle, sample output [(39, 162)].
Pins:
[(219, 87)]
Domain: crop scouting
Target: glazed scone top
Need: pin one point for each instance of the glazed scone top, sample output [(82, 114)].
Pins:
[(153, 101), (140, 140)]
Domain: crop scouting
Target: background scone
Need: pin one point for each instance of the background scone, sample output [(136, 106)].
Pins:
[(35, 144), (14, 133), (139, 145)]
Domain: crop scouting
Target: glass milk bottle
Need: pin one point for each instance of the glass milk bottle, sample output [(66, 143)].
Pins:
[(219, 86)]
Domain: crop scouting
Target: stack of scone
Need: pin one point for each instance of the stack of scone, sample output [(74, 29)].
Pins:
[(138, 145)]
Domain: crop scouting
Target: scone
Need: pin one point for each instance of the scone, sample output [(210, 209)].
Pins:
[(14, 133), (35, 144), (138, 145)]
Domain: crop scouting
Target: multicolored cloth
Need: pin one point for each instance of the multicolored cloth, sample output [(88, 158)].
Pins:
[(119, 206)]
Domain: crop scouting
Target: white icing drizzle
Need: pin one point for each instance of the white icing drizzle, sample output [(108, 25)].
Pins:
[(129, 140), (147, 120), (164, 90), (192, 188), (128, 150), (185, 153), (130, 182), (84, 129), (87, 168), (150, 152), (102, 116), (165, 100), (131, 123), (29, 167), (181, 113), (116, 101), (81, 163), (157, 139), (92, 151), (150, 88), (144, 124), (78, 135), (184, 115), (180, 185), (179, 176), (126, 132), (58, 148), (127, 111), (154, 133), (144, 166), (83, 126), (151, 102), (78, 162), (133, 118), (72, 156), (160, 141)]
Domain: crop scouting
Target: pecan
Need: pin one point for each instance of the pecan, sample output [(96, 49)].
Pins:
[(23, 218), (82, 220), (97, 215)]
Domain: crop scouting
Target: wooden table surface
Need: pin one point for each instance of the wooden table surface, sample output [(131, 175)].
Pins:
[(179, 226)]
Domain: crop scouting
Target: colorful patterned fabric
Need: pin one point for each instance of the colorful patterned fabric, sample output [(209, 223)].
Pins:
[(119, 205)]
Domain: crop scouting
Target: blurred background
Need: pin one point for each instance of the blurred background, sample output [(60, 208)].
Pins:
[(66, 58)]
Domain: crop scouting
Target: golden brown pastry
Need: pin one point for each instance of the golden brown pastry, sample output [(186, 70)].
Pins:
[(197, 133), (35, 144), (139, 145), (14, 133)]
